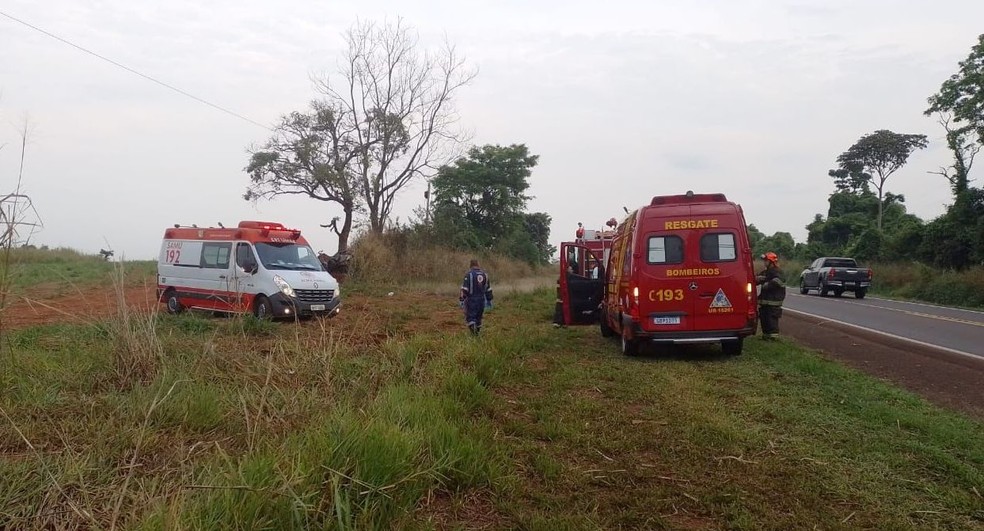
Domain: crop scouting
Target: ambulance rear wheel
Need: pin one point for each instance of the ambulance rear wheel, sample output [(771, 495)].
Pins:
[(262, 308), (174, 305), (630, 347)]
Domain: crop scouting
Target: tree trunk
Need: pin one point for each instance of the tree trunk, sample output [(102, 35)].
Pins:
[(346, 230), (881, 206), (376, 221)]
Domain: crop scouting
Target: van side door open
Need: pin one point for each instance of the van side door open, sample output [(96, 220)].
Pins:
[(582, 283)]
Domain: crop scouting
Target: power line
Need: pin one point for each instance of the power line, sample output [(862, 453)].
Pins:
[(132, 71)]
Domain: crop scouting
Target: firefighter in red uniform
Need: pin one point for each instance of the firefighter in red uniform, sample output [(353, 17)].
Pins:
[(476, 296), (579, 233), (772, 294)]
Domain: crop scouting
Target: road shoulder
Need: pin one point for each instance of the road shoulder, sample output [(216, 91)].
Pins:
[(949, 380)]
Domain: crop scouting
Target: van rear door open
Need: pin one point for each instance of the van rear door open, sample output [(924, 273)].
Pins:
[(582, 284)]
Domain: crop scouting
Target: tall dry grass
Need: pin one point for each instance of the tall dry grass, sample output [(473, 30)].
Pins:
[(391, 260)]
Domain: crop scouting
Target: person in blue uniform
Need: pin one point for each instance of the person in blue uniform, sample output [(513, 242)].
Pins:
[(476, 295)]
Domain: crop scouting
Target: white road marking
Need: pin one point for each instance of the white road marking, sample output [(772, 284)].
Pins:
[(893, 336), (915, 314)]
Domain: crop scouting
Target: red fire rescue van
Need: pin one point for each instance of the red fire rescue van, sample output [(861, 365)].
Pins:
[(259, 267), (681, 271)]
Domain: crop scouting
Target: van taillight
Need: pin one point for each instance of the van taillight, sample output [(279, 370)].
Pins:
[(830, 274), (869, 274)]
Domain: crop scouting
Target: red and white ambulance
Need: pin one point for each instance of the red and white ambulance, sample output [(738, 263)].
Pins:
[(260, 267), (681, 271)]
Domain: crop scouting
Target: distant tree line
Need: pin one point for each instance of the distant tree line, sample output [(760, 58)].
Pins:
[(866, 221)]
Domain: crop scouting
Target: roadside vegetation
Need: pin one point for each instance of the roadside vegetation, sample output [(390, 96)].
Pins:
[(914, 281), (939, 260), (391, 416)]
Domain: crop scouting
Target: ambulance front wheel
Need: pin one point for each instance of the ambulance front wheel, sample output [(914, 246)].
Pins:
[(174, 305), (262, 308)]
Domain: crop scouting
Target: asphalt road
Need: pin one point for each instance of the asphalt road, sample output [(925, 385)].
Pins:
[(950, 329)]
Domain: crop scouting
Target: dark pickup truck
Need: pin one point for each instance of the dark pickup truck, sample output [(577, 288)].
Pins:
[(835, 275)]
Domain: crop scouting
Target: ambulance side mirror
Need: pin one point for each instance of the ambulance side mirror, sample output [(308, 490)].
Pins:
[(251, 268)]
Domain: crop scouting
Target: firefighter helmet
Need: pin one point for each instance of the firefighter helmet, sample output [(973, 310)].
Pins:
[(771, 257)]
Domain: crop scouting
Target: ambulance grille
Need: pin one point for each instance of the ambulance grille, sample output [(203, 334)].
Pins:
[(314, 296)]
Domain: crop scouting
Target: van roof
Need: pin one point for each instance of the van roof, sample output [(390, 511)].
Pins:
[(687, 198)]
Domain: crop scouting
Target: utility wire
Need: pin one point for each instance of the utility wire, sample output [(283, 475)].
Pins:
[(132, 71)]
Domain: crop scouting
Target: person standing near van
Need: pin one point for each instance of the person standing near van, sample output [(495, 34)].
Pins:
[(771, 296), (476, 295)]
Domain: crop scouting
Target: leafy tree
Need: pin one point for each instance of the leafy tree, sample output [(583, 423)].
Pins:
[(309, 154), (754, 237), (880, 154), (962, 96), (537, 225), (851, 180), (486, 189)]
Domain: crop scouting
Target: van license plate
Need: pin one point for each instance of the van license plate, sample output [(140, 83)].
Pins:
[(675, 320), (317, 307)]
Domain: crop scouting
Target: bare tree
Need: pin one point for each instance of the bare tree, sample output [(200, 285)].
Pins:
[(400, 100), (19, 220), (965, 146)]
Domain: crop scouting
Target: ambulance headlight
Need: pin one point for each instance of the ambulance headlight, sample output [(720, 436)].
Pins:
[(283, 285)]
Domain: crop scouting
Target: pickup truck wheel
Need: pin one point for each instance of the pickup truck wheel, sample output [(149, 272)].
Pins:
[(859, 294), (803, 289)]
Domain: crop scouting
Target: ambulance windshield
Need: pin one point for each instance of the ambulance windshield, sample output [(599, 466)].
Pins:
[(287, 256)]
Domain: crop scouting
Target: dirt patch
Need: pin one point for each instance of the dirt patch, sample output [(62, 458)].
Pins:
[(72, 305), (949, 380)]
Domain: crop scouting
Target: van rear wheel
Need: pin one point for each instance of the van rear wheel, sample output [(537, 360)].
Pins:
[(733, 348), (174, 305), (606, 331), (803, 289), (262, 308), (630, 347)]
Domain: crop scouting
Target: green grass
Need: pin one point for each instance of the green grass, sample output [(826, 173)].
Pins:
[(57, 268), (384, 419)]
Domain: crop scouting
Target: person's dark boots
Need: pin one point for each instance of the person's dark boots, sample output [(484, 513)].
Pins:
[(474, 328)]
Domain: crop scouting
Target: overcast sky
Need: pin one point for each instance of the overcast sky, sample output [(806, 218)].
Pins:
[(622, 101)]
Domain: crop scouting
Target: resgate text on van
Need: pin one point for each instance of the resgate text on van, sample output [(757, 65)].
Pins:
[(681, 224)]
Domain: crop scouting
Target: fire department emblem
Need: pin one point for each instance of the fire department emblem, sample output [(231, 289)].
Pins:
[(720, 300), (693, 286)]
